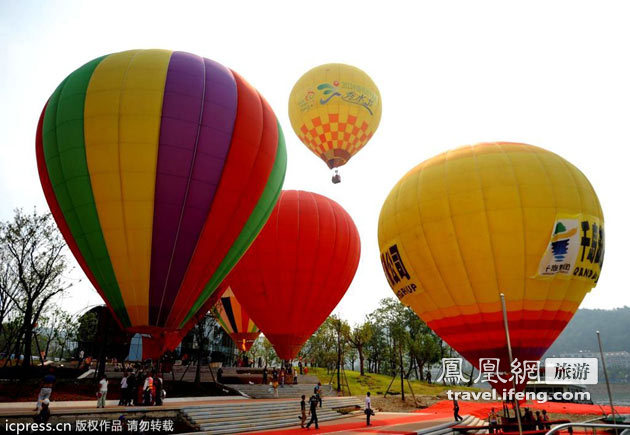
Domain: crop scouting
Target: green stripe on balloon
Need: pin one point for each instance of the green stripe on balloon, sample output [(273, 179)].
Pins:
[(254, 224), (64, 151)]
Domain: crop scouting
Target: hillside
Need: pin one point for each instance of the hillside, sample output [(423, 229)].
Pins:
[(579, 334)]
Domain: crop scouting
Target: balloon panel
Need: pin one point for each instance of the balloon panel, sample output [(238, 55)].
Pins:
[(469, 224)]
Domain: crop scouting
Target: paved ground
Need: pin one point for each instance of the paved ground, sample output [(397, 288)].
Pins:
[(17, 408), (383, 422)]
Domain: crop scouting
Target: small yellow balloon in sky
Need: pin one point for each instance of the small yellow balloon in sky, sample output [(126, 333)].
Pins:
[(334, 110)]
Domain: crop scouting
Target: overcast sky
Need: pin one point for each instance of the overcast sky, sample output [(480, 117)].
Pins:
[(552, 74)]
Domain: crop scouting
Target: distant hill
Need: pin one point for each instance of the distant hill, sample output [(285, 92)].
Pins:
[(614, 326)]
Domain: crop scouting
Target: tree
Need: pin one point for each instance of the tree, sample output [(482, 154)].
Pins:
[(9, 288), (341, 330), (33, 251), (359, 338), (202, 343)]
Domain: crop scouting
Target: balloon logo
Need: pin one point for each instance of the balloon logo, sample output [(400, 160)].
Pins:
[(236, 322), (341, 118), (464, 226), (298, 269), (160, 168)]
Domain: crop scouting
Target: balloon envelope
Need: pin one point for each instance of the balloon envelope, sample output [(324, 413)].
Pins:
[(160, 168), (235, 321), (463, 227), (334, 110), (298, 269)]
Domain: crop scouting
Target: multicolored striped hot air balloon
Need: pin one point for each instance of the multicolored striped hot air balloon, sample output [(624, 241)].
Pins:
[(232, 317), (160, 169), (334, 110), (467, 225)]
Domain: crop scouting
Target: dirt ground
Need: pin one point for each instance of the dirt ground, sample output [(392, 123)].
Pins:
[(394, 403)]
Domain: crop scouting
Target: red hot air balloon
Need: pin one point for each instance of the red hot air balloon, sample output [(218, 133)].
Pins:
[(298, 268)]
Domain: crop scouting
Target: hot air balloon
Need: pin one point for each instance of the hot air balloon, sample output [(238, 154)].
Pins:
[(464, 226), (235, 321), (334, 110), (159, 168), (298, 269)]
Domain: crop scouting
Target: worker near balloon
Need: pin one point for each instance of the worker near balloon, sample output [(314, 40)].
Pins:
[(163, 171)]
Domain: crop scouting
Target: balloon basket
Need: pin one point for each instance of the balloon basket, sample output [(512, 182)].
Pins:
[(336, 178)]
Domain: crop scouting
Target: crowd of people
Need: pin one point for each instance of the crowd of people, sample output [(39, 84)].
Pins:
[(141, 386), (529, 422)]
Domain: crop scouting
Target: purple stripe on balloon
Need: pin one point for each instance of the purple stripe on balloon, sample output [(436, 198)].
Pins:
[(198, 113)]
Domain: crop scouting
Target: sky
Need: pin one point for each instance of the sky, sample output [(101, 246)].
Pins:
[(450, 73)]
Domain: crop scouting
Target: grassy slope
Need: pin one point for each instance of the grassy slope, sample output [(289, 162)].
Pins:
[(359, 385)]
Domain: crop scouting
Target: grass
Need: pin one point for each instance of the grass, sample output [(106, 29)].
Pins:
[(377, 384)]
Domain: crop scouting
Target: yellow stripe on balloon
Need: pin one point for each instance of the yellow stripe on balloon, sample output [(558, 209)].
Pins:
[(123, 110)]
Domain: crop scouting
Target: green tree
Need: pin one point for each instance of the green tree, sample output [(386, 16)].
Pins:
[(359, 338), (33, 250)]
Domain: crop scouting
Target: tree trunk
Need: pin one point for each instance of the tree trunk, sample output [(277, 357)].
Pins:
[(360, 350), (402, 383), (338, 360), (28, 334)]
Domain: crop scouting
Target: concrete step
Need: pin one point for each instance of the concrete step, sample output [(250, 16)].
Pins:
[(256, 415), (264, 426), (286, 417)]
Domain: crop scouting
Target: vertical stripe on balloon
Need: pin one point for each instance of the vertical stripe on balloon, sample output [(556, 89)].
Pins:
[(65, 160), (197, 120), (123, 111)]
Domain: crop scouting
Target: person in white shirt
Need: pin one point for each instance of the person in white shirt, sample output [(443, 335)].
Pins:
[(102, 392), (123, 390), (368, 408)]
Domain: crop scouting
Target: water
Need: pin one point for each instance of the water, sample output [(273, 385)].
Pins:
[(620, 393)]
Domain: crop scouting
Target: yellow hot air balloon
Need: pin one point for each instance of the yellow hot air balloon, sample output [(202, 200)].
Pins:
[(334, 110), (464, 226)]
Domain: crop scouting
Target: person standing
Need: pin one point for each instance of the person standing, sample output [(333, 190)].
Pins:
[(301, 367), (318, 390), (493, 421), (44, 414), (101, 394), (124, 386), (303, 408), (429, 376), (159, 390), (539, 421), (148, 390), (456, 410), (131, 388), (264, 375), (545, 419), (47, 386), (282, 375), (313, 410), (368, 408)]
